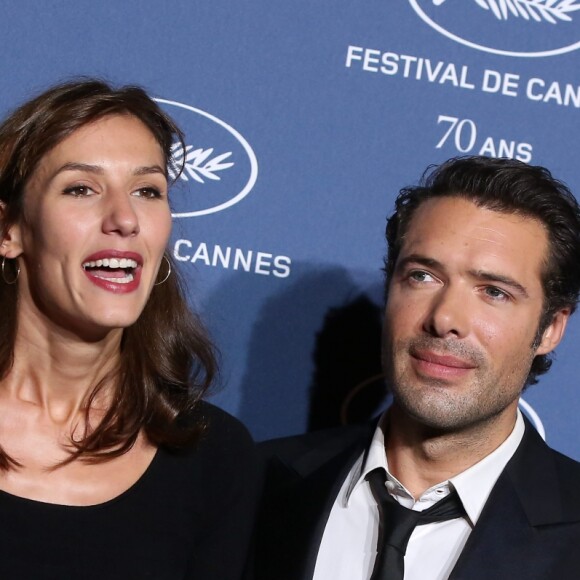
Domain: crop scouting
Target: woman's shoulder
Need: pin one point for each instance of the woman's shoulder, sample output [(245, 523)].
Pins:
[(227, 454), (220, 423), (223, 434), (224, 452)]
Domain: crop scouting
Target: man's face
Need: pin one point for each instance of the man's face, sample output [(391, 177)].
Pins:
[(462, 313)]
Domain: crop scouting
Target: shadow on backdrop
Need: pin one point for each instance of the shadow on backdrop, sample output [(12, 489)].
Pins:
[(348, 385), (293, 349)]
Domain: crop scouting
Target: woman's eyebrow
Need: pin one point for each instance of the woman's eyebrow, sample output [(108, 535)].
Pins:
[(98, 170)]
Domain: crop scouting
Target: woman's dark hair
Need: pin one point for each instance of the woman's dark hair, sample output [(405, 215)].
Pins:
[(512, 187), (167, 362)]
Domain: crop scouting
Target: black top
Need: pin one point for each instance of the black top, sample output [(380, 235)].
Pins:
[(189, 516)]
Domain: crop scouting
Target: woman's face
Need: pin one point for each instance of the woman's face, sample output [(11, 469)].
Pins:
[(95, 224)]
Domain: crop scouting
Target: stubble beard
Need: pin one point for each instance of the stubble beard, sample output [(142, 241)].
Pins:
[(443, 406)]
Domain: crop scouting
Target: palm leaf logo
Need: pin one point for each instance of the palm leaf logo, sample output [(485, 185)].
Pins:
[(539, 10), (198, 164)]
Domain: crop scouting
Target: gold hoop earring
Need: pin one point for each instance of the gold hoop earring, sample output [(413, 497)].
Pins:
[(168, 271), (3, 266)]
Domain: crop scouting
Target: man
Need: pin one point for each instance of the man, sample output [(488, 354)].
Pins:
[(482, 274)]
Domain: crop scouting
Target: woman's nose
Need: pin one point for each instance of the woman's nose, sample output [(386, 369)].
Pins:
[(119, 215)]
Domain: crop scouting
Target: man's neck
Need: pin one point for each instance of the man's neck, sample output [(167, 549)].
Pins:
[(421, 457)]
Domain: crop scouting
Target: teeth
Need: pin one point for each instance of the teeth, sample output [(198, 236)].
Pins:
[(115, 263), (128, 278)]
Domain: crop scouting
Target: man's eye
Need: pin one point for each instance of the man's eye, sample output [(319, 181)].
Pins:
[(420, 276), (496, 293)]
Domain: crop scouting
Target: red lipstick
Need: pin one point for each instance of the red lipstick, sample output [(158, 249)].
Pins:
[(116, 271)]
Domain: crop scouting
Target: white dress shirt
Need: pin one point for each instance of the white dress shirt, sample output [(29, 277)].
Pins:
[(349, 542)]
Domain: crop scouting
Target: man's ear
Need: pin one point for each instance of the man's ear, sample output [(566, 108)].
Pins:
[(10, 239), (554, 332)]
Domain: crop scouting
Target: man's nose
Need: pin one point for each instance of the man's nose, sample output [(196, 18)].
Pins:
[(449, 313)]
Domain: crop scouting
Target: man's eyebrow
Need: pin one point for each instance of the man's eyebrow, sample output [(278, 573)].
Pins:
[(420, 260), (502, 279), (483, 275)]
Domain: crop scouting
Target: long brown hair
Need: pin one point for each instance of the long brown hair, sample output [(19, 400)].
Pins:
[(167, 362)]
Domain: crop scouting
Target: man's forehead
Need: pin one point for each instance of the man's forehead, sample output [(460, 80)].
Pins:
[(454, 211), (453, 226)]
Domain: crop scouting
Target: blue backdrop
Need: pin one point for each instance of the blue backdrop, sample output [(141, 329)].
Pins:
[(303, 120)]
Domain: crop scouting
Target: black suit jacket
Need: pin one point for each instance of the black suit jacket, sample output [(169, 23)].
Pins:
[(529, 528)]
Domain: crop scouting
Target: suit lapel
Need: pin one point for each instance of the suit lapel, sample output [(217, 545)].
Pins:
[(526, 496), (501, 531), (307, 490), (315, 497)]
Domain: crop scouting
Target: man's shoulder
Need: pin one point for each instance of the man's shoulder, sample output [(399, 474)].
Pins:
[(567, 480), (569, 473), (545, 480), (537, 454), (329, 440), (303, 455)]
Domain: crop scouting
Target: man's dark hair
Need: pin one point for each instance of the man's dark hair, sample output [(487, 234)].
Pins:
[(512, 187)]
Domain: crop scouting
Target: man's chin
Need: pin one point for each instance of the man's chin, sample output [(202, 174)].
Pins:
[(435, 414)]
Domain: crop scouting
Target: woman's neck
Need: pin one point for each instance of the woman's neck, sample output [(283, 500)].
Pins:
[(56, 370)]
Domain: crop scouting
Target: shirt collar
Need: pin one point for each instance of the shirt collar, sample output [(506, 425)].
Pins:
[(372, 458), (473, 485)]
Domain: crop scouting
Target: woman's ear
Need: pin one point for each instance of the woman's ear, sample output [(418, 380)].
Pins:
[(10, 240)]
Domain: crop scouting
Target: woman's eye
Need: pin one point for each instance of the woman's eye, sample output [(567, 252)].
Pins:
[(78, 190), (148, 192)]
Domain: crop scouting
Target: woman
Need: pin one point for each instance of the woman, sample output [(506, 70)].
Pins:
[(110, 464)]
